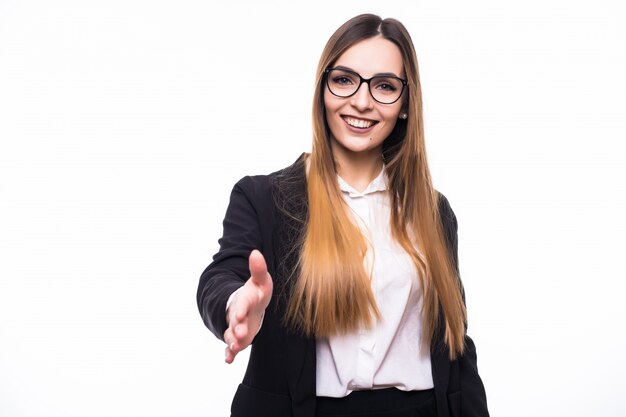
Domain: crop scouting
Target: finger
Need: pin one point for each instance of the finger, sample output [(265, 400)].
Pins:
[(236, 338), (229, 337), (241, 332), (229, 355), (258, 267)]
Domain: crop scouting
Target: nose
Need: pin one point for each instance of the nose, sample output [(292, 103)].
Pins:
[(362, 100)]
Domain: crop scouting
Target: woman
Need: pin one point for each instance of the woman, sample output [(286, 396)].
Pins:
[(341, 270)]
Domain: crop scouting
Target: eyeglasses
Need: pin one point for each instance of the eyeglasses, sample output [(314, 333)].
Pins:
[(385, 89)]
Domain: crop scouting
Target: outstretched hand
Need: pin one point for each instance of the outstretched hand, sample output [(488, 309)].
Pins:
[(247, 307)]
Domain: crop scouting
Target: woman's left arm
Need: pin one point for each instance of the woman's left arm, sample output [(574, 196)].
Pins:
[(473, 396)]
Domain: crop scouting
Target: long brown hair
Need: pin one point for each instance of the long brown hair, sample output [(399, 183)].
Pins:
[(333, 293)]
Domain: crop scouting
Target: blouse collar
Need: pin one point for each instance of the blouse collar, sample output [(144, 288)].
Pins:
[(380, 183)]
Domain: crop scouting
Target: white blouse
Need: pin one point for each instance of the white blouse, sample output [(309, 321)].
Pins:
[(390, 354)]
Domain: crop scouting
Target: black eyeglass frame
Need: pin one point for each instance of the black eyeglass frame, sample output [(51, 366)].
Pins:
[(364, 80)]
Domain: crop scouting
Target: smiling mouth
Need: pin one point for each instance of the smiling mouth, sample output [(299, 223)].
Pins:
[(359, 123)]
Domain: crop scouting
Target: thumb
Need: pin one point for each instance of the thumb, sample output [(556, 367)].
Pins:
[(258, 268)]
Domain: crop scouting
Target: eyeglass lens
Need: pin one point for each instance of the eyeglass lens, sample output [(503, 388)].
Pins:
[(345, 83)]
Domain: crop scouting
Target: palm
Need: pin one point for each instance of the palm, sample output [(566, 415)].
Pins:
[(248, 307)]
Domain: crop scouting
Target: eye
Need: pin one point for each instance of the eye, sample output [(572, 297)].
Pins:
[(342, 80), (386, 85)]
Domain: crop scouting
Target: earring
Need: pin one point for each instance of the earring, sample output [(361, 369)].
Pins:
[(403, 116)]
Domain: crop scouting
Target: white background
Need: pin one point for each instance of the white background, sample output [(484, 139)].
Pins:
[(125, 123)]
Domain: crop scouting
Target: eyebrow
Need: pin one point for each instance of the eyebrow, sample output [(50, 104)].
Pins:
[(380, 74)]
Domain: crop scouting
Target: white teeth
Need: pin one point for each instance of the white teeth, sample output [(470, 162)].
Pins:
[(363, 124)]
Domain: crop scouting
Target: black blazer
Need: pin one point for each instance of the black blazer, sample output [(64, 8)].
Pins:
[(268, 213)]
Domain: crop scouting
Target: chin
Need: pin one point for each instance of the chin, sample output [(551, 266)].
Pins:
[(359, 147)]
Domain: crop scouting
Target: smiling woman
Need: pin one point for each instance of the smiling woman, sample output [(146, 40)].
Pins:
[(361, 114), (341, 270)]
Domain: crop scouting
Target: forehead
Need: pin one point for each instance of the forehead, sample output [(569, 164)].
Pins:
[(372, 56)]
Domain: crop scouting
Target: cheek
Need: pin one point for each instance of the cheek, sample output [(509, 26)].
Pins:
[(395, 111), (391, 118), (331, 108), (330, 105)]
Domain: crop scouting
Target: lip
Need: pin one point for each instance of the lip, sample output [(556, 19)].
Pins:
[(359, 129)]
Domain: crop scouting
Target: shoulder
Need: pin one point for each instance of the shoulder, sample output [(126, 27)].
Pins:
[(445, 210), (291, 172), (261, 187)]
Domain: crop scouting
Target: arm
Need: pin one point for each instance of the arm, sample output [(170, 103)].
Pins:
[(230, 267), (473, 396)]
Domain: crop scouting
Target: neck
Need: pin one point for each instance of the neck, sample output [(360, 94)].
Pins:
[(358, 168)]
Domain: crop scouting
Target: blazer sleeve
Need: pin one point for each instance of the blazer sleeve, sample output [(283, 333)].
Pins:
[(473, 396), (229, 269)]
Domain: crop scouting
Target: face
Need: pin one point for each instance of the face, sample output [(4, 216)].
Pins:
[(359, 124)]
